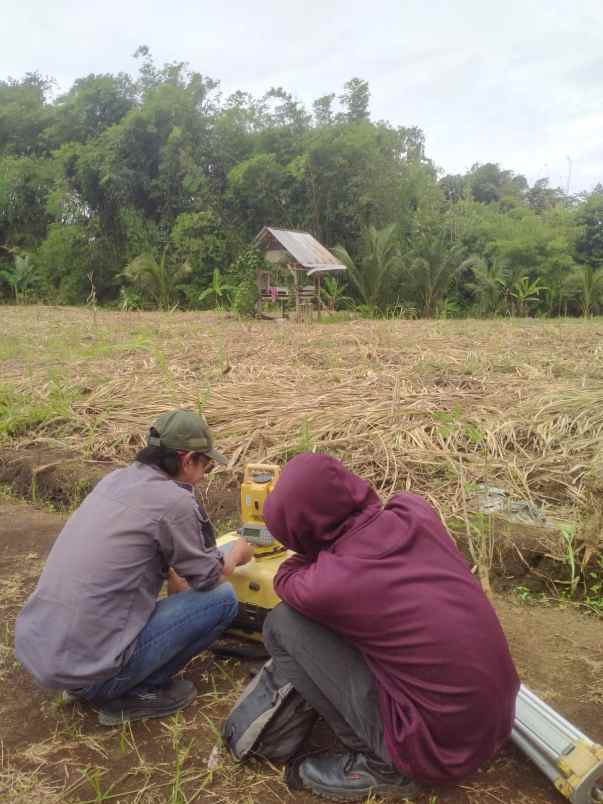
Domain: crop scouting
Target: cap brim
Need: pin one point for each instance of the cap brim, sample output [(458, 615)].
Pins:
[(216, 456)]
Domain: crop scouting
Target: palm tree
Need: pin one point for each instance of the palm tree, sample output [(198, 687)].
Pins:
[(490, 277), (155, 279), (381, 255), (217, 289), (432, 265), (586, 283)]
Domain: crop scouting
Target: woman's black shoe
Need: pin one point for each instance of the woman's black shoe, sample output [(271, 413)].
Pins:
[(352, 777)]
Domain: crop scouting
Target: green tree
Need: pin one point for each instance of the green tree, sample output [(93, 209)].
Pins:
[(65, 258), (350, 179), (323, 110), (246, 297), (554, 268), (26, 183), (157, 280), (453, 187), (433, 258), (355, 100), (93, 104), (118, 166), (230, 140), (25, 115), (248, 262), (242, 272), (585, 285), (433, 267), (489, 280), (200, 239), (257, 191), (380, 257), (281, 111), (589, 216), (526, 242), (489, 183), (541, 197), (418, 192)]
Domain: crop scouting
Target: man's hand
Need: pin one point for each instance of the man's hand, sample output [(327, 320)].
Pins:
[(240, 553), (175, 583)]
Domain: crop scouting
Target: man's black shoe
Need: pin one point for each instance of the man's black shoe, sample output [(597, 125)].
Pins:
[(353, 777), (148, 702)]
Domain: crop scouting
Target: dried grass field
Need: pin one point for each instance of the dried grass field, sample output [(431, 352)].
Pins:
[(416, 404), (443, 408)]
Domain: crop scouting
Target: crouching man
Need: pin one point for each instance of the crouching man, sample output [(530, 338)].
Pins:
[(384, 632), (93, 625)]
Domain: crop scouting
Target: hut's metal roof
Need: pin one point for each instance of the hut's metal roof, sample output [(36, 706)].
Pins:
[(305, 249)]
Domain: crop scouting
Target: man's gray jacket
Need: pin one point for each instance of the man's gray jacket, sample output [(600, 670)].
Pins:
[(100, 584)]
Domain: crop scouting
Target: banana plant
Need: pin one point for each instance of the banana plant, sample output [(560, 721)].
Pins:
[(217, 289), (333, 293), (525, 293), (20, 277)]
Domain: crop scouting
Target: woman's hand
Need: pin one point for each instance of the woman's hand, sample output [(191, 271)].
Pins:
[(175, 583)]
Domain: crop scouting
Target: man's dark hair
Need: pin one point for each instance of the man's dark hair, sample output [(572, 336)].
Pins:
[(168, 460)]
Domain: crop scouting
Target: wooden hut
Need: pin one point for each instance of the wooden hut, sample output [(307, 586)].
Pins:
[(305, 258)]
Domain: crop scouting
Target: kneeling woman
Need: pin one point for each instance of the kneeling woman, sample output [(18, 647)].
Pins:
[(384, 632)]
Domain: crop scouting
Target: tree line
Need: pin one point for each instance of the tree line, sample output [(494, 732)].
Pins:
[(148, 190)]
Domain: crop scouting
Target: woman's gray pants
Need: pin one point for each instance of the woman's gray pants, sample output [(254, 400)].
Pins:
[(330, 675)]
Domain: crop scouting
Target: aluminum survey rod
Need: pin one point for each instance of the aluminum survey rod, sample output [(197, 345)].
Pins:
[(554, 718), (572, 761), (540, 760)]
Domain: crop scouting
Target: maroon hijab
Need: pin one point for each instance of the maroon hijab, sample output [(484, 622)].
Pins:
[(392, 582)]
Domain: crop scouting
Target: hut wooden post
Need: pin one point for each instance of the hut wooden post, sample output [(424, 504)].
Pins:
[(296, 292), (258, 284), (317, 292)]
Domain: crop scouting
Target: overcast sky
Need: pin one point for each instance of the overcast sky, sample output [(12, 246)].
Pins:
[(519, 82)]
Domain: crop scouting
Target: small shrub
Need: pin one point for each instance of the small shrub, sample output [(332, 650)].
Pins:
[(245, 297)]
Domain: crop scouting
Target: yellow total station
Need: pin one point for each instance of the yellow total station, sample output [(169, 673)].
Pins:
[(253, 582), (258, 481)]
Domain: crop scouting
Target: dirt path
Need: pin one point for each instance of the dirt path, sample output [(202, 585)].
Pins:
[(56, 753)]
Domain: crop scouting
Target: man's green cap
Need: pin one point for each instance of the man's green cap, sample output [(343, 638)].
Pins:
[(185, 430)]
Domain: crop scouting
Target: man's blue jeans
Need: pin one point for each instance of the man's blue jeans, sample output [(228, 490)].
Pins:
[(181, 627)]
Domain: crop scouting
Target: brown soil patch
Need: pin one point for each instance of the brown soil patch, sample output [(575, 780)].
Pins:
[(62, 479), (54, 753), (55, 476)]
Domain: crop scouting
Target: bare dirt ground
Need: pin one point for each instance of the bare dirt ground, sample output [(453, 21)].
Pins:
[(55, 753)]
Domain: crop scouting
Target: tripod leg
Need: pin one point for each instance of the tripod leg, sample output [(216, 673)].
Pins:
[(566, 756)]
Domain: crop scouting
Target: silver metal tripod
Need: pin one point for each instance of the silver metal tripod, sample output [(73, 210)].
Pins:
[(570, 760)]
